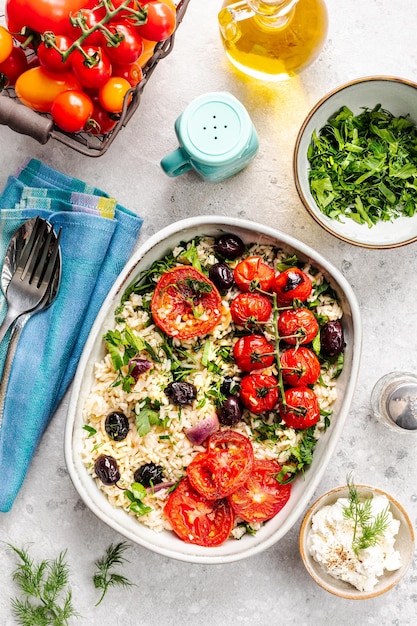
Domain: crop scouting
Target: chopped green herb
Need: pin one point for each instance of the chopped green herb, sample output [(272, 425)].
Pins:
[(136, 494), (91, 431)]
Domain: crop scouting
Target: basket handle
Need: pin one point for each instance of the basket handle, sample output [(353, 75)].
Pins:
[(24, 120)]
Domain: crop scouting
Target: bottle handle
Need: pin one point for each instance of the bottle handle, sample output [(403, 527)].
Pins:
[(176, 163)]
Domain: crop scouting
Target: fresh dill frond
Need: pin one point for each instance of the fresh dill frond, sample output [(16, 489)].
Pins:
[(103, 578)]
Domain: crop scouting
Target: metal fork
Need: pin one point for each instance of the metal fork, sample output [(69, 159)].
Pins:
[(33, 274)]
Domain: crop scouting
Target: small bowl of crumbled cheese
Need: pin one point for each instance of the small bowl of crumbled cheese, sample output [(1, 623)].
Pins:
[(357, 541)]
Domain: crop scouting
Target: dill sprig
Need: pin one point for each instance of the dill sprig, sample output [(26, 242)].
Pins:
[(47, 600), (103, 578), (367, 529)]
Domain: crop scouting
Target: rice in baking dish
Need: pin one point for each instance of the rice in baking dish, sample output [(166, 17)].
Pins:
[(166, 443)]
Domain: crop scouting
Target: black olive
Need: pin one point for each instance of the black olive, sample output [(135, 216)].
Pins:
[(331, 338), (117, 425), (181, 393), (138, 366), (222, 276), (229, 246), (230, 412), (226, 385), (149, 474), (107, 470)]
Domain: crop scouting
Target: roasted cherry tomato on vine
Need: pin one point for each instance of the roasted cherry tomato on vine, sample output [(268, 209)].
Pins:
[(101, 121), (71, 110), (6, 44), (91, 75), (197, 520), (185, 303), (259, 393), (297, 326), (38, 88), (130, 46), (253, 273), (50, 58), (247, 309), (262, 496), (292, 284), (299, 366), (224, 467), (15, 64), (161, 21), (253, 352), (112, 94), (301, 409)]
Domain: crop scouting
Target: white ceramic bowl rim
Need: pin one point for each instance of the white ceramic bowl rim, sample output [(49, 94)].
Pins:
[(166, 543), (400, 231)]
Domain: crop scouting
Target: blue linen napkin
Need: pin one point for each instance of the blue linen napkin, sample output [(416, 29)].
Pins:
[(98, 236)]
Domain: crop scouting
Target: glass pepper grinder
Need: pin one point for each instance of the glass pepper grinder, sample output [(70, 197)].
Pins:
[(273, 39)]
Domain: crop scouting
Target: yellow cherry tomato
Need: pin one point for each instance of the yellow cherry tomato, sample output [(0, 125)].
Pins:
[(6, 44), (37, 88), (112, 94)]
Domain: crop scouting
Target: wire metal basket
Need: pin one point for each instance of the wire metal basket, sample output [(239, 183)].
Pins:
[(41, 127)]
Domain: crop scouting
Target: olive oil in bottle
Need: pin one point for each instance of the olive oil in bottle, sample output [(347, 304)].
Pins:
[(273, 39)]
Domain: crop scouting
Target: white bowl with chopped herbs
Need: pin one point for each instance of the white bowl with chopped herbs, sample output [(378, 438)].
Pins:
[(355, 162), (356, 541)]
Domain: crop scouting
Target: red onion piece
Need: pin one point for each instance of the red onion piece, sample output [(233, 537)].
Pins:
[(199, 433), (138, 366)]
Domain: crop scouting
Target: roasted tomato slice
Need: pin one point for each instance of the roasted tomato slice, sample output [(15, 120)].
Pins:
[(224, 467), (185, 303), (297, 326), (259, 392), (198, 520), (253, 273), (300, 366), (302, 408), (292, 284), (262, 496), (253, 352), (247, 309)]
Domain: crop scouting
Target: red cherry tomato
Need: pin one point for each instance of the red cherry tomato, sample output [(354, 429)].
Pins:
[(42, 15), (300, 367), (92, 75), (112, 94), (196, 519), (262, 496), (90, 17), (302, 408), (101, 121), (253, 273), (130, 46), (292, 284), (71, 110), (15, 64), (253, 352), (224, 467), (161, 21), (247, 309), (132, 72), (259, 393), (185, 303), (297, 326), (51, 59)]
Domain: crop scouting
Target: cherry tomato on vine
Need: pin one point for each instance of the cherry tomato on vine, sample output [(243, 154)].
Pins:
[(297, 326), (253, 273), (292, 284), (6, 44), (15, 64), (130, 46), (50, 58), (94, 75), (224, 467), (249, 308), (262, 496), (71, 110), (259, 392), (197, 520), (300, 366), (90, 18), (101, 121), (131, 72), (112, 94), (38, 88), (253, 352), (185, 303), (302, 408), (161, 21)]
